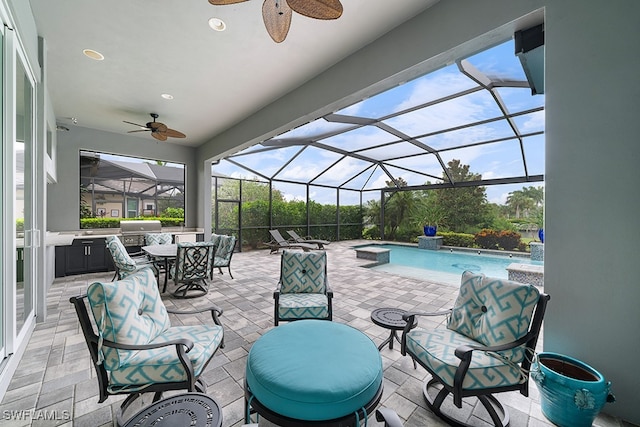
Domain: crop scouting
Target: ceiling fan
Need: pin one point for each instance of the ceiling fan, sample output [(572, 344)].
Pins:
[(276, 14), (159, 131)]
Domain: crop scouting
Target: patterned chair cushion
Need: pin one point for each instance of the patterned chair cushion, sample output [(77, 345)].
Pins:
[(303, 272), (493, 311), (224, 249), (127, 311), (436, 349), (303, 306), (157, 239), (163, 365), (121, 258)]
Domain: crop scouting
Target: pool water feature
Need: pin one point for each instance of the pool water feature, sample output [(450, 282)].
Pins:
[(444, 265)]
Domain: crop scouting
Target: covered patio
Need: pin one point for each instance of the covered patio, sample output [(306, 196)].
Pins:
[(55, 375)]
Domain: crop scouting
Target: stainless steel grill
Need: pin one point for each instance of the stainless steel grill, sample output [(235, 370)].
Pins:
[(132, 232)]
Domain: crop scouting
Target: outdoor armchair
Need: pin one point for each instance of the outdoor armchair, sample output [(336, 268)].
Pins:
[(486, 347), (303, 290), (133, 346)]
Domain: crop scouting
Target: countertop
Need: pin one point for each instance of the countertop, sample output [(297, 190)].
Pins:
[(65, 238)]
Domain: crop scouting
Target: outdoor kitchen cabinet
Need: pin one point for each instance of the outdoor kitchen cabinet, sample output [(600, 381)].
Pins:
[(83, 256)]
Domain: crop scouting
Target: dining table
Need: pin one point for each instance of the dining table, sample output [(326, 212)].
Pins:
[(164, 253)]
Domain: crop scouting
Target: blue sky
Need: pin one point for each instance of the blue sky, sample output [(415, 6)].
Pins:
[(426, 125)]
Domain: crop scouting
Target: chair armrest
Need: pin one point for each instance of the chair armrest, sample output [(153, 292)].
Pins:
[(410, 318), (182, 342), (214, 309), (464, 352), (389, 416)]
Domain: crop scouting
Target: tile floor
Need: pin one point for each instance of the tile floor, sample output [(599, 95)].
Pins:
[(56, 377)]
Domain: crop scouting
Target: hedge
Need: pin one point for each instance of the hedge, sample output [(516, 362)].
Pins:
[(115, 222)]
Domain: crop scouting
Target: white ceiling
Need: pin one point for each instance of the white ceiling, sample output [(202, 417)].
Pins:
[(217, 79)]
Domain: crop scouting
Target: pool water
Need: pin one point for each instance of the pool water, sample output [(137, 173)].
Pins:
[(445, 266)]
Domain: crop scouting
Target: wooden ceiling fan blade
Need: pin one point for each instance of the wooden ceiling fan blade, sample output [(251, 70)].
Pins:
[(174, 133), (277, 18), (317, 9), (139, 130), (224, 2), (159, 136)]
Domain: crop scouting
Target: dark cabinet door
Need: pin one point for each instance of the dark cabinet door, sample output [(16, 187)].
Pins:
[(97, 257), (76, 259)]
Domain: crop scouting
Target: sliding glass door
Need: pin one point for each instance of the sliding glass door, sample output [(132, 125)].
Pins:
[(23, 207)]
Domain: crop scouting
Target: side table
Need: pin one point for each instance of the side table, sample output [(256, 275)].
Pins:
[(391, 318), (189, 409)]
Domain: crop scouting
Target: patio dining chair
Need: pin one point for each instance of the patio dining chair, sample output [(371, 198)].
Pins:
[(159, 239), (134, 348), (486, 347), (194, 262), (225, 246), (124, 263)]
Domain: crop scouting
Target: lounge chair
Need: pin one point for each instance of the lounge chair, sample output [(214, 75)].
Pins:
[(296, 238), (278, 242)]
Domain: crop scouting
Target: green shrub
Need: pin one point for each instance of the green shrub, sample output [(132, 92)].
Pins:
[(371, 233), (115, 222), (461, 240), (99, 222)]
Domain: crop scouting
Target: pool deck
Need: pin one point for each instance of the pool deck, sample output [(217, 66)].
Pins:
[(55, 373)]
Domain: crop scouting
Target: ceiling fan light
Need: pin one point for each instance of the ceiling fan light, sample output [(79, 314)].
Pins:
[(217, 24), (93, 54)]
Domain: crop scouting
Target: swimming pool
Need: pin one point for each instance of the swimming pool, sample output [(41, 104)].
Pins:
[(445, 266)]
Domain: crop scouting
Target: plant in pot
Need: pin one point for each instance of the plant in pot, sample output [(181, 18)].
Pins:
[(430, 217), (539, 221)]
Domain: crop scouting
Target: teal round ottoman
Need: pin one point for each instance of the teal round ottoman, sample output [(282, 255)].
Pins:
[(313, 371)]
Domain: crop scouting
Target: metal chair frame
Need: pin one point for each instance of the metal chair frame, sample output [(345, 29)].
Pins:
[(183, 346), (498, 414)]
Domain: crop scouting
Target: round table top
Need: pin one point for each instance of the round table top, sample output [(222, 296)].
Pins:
[(390, 318), (189, 409), (314, 370)]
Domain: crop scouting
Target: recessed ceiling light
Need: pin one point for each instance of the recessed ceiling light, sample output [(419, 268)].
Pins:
[(217, 24), (93, 54), (167, 96)]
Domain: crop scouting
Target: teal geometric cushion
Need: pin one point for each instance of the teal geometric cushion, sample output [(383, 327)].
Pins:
[(127, 311), (303, 272), (303, 306), (121, 258), (435, 348), (158, 239), (493, 311), (314, 370), (224, 249), (163, 365)]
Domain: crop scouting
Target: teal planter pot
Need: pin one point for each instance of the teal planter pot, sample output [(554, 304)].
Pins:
[(572, 393)]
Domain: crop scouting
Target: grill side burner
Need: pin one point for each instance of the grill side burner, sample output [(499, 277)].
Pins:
[(132, 232)]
